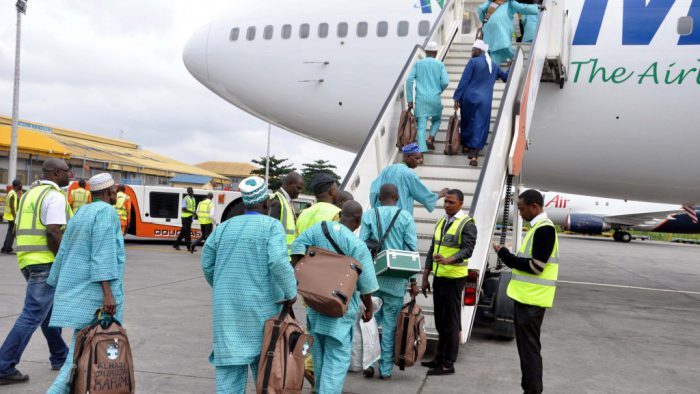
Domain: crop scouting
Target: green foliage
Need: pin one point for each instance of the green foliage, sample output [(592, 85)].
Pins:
[(309, 171), (277, 170)]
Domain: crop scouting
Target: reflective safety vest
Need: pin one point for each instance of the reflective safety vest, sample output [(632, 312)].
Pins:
[(32, 244), (287, 218), (531, 289), (7, 215), (204, 210), (448, 246), (120, 206), (190, 205), (79, 197), (319, 212)]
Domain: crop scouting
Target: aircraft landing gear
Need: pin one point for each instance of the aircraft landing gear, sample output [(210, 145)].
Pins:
[(622, 236)]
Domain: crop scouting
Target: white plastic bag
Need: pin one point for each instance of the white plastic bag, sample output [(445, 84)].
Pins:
[(366, 348)]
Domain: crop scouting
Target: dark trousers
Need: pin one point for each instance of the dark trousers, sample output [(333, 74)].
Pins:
[(528, 321), (9, 237), (447, 303), (185, 232), (38, 302), (206, 231)]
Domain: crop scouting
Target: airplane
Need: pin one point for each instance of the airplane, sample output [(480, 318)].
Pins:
[(623, 126), (595, 215)]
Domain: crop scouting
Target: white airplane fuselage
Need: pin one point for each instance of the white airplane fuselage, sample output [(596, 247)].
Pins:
[(625, 125)]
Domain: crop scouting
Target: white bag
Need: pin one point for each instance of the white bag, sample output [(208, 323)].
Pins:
[(366, 348)]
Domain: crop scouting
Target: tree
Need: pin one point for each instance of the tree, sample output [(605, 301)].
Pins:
[(277, 170), (309, 171)]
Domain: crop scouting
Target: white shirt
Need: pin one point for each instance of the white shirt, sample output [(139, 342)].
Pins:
[(449, 219), (538, 219), (286, 195), (53, 209)]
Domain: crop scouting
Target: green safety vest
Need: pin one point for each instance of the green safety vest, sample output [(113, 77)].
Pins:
[(531, 289), (203, 211), (448, 247), (7, 215), (32, 244), (120, 206), (319, 212), (287, 218), (190, 205), (79, 197)]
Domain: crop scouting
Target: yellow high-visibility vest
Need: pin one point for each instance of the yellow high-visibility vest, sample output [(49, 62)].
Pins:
[(287, 218), (7, 215), (204, 211), (190, 205), (319, 212), (120, 205), (448, 246), (531, 289), (32, 244), (80, 197)]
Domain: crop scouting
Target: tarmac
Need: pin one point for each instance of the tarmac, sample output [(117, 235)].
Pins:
[(625, 320)]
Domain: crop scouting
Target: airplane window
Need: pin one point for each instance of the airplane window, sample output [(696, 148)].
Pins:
[(382, 29), (423, 28), (342, 29), (250, 34), (267, 33), (685, 25), (402, 29), (286, 31), (234, 34), (304, 30), (323, 30), (362, 28)]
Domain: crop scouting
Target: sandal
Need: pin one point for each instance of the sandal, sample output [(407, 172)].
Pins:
[(431, 143), (473, 162)]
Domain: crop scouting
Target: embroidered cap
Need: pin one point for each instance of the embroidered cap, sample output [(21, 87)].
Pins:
[(410, 148), (101, 181), (254, 190)]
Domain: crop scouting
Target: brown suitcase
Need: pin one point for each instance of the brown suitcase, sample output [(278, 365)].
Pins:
[(102, 361), (327, 280), (408, 130), (285, 345), (410, 341), (453, 142)]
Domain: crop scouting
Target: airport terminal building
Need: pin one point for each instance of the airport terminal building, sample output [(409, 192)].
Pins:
[(88, 154)]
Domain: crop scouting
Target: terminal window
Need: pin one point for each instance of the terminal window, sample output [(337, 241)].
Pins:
[(164, 205), (402, 29), (423, 28)]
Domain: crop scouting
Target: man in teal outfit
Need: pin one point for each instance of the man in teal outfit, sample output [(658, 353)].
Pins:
[(430, 78), (401, 236), (333, 336), (407, 182), (245, 260), (89, 269), (498, 30)]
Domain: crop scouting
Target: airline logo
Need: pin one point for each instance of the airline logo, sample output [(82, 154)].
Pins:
[(557, 202), (641, 20), (426, 6)]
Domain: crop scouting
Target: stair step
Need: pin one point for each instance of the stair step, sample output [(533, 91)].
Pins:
[(437, 184), (460, 173)]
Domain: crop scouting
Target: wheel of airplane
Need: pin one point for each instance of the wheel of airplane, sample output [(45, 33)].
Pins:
[(625, 237)]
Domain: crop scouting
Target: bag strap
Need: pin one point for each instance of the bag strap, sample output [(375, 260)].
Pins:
[(388, 229), (324, 226), (277, 325), (379, 227)]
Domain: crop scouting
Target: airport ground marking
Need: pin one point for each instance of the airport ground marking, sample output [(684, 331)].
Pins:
[(630, 287)]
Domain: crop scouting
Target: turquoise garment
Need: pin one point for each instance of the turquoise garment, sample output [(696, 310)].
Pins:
[(61, 383), (409, 185), (529, 26), (92, 251), (429, 76), (245, 261), (422, 126), (233, 379), (331, 362), (498, 31), (387, 318), (338, 328), (401, 237)]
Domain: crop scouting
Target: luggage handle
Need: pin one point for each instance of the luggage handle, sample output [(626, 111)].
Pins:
[(340, 295), (324, 226), (287, 309), (404, 342), (356, 268)]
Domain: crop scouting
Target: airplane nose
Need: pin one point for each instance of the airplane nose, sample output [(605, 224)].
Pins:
[(195, 54)]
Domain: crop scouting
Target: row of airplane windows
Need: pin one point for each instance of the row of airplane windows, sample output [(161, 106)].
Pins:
[(362, 29)]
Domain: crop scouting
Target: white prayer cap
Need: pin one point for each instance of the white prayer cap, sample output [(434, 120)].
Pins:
[(101, 181), (432, 47), (479, 44), (254, 190)]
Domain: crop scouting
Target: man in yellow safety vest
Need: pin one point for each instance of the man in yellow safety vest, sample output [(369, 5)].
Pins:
[(206, 210), (42, 214), (448, 256), (123, 207), (79, 196), (189, 208), (11, 203), (326, 191), (532, 284), (281, 207)]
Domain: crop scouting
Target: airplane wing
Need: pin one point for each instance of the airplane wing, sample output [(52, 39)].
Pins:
[(640, 219)]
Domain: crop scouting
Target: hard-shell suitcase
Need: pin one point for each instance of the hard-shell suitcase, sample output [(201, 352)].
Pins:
[(408, 129), (453, 142), (397, 263)]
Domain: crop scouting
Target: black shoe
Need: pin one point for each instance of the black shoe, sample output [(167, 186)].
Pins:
[(191, 249), (56, 367), (15, 377), (368, 373), (176, 247), (441, 370)]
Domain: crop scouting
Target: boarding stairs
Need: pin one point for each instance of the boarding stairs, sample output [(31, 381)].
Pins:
[(483, 186)]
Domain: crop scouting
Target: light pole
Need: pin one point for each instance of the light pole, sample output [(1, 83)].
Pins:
[(267, 156), (21, 7)]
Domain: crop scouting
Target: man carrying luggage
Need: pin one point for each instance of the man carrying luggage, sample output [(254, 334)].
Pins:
[(11, 205), (245, 260), (401, 236), (333, 336), (281, 207), (326, 191), (88, 270), (448, 256), (532, 285)]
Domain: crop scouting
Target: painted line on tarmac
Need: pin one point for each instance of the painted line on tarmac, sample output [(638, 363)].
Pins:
[(629, 287)]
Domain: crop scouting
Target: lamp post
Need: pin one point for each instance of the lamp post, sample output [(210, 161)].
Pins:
[(21, 7), (267, 155)]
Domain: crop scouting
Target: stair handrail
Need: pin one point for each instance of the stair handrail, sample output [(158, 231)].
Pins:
[(382, 135)]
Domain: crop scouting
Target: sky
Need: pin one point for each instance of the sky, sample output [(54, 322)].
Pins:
[(115, 68)]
